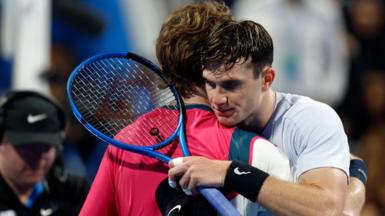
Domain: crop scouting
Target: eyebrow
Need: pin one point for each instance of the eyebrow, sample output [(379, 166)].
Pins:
[(227, 84), (233, 81), (226, 81)]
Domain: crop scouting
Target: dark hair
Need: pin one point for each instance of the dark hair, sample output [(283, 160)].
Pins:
[(181, 39), (232, 42)]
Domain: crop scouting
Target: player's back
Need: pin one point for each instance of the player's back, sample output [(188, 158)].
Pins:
[(133, 178), (138, 176)]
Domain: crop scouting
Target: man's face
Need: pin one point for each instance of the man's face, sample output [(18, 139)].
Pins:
[(234, 95), (25, 165)]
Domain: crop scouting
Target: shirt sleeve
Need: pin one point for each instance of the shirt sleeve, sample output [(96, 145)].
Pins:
[(267, 157), (101, 199), (318, 139)]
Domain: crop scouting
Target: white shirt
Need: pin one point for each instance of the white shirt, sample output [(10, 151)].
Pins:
[(309, 132)]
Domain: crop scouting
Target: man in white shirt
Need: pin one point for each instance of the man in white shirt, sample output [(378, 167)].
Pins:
[(236, 61)]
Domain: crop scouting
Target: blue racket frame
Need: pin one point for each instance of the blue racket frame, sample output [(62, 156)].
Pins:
[(216, 198), (146, 150)]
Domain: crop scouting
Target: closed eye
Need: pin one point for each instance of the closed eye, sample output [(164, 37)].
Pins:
[(210, 84), (231, 85)]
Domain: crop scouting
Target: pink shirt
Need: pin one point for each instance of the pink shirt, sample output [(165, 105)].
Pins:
[(126, 182)]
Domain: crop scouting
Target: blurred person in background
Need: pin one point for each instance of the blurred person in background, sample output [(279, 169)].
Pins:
[(372, 151), (363, 109), (309, 35), (32, 179), (371, 146), (366, 36), (82, 28), (366, 30), (82, 152), (27, 31)]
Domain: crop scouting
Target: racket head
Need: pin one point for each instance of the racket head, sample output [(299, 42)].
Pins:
[(110, 92), (84, 114)]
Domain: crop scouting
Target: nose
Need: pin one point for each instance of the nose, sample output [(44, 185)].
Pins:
[(34, 153), (38, 159), (218, 97)]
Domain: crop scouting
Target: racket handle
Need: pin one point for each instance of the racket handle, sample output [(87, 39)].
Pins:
[(219, 202)]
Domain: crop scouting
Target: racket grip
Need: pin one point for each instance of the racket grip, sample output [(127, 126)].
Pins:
[(219, 202)]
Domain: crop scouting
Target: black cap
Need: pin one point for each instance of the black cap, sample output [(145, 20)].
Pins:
[(33, 120)]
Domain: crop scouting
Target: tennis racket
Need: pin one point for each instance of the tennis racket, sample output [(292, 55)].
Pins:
[(124, 100)]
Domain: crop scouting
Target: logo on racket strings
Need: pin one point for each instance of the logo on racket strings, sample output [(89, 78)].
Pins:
[(155, 132)]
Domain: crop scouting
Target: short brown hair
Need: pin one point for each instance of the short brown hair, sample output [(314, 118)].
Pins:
[(180, 42), (232, 41)]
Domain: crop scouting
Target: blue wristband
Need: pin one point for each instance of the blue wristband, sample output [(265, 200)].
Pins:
[(359, 170)]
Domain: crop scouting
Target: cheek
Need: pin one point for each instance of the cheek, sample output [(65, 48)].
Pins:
[(13, 165), (250, 102), (11, 157), (209, 94), (242, 98)]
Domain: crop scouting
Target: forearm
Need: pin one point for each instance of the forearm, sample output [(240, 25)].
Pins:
[(319, 192), (355, 198), (356, 192), (284, 198)]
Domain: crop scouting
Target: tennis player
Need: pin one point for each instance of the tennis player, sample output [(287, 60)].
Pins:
[(126, 182), (238, 76)]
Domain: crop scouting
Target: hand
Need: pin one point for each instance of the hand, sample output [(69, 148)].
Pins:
[(198, 172)]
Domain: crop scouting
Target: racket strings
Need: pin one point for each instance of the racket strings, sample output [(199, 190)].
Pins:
[(123, 98)]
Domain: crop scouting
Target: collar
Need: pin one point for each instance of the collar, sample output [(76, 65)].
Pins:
[(199, 106)]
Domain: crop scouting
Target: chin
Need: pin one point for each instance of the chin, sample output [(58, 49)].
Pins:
[(34, 178), (29, 182)]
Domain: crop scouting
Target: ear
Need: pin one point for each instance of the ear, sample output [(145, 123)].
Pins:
[(268, 76)]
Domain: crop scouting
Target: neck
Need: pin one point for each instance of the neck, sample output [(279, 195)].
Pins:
[(196, 99), (258, 121)]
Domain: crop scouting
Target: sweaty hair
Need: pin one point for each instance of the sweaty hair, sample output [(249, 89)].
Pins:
[(235, 42), (180, 41)]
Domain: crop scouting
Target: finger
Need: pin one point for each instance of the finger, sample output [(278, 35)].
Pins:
[(187, 192), (174, 174), (184, 182), (177, 171), (184, 179), (192, 186), (172, 183), (175, 162), (172, 178)]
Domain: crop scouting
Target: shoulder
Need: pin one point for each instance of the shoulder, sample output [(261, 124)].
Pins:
[(61, 182), (66, 192), (301, 121), (304, 112), (241, 145)]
